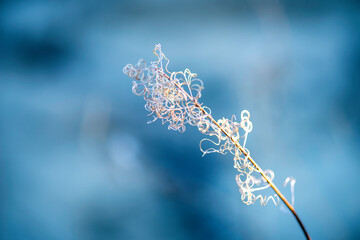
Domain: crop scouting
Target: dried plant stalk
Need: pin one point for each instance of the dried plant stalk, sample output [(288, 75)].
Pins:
[(174, 97)]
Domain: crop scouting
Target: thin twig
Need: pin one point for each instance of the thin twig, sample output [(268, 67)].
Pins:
[(246, 155)]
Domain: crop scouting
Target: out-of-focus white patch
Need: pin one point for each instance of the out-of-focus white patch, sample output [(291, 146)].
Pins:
[(123, 150)]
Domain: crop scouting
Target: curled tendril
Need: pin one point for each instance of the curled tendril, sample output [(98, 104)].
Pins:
[(292, 182), (174, 97), (164, 100)]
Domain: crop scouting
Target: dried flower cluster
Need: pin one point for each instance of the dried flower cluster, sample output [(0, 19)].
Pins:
[(174, 97)]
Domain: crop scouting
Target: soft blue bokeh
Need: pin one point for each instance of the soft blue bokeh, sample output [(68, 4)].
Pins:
[(78, 161)]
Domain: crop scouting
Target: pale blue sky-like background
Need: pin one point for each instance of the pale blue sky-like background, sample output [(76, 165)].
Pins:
[(78, 161)]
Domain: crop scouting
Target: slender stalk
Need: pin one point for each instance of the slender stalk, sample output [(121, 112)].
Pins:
[(247, 155)]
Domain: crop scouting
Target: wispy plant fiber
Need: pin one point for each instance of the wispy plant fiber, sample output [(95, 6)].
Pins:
[(174, 97)]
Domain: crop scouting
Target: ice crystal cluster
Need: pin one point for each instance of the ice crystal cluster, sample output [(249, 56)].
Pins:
[(174, 97)]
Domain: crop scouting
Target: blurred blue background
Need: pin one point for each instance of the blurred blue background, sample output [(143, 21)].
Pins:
[(78, 161)]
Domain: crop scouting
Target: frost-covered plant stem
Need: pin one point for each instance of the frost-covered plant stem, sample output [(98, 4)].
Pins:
[(174, 98), (236, 143)]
